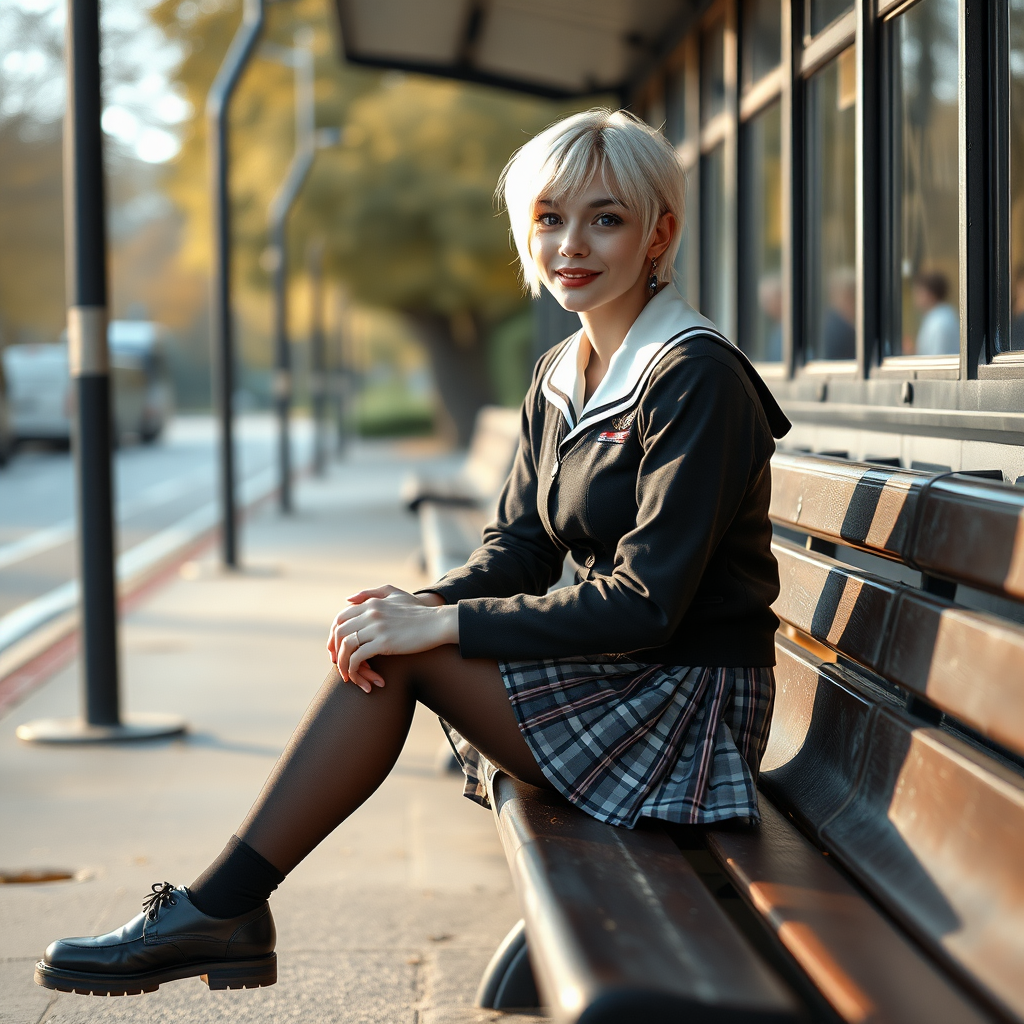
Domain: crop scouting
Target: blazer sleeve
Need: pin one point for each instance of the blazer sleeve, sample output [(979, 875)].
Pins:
[(701, 439), (518, 555)]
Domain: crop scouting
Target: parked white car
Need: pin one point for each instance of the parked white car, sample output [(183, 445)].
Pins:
[(41, 398)]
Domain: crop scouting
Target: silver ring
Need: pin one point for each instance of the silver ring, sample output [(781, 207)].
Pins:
[(358, 644)]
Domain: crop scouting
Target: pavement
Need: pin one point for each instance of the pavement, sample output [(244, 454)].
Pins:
[(391, 919)]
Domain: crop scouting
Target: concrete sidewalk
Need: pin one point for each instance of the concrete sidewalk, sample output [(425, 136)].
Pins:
[(391, 919)]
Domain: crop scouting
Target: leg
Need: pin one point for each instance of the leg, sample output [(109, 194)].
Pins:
[(348, 741), (221, 928)]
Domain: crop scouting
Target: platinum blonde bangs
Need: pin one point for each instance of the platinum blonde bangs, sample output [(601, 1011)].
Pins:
[(564, 159)]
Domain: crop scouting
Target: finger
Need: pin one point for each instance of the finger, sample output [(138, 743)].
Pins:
[(371, 679), (365, 595), (347, 646), (369, 649)]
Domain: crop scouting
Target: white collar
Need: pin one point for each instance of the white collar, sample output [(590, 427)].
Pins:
[(663, 323)]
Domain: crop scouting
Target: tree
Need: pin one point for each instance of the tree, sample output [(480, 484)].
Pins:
[(403, 204)]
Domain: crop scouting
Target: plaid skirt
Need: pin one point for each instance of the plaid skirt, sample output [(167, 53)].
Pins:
[(623, 741)]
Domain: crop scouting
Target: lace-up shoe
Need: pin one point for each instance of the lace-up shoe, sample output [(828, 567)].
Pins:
[(170, 939)]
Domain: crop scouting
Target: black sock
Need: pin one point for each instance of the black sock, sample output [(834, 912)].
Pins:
[(238, 881)]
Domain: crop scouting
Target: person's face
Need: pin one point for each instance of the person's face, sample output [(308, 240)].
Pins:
[(923, 299), (589, 250)]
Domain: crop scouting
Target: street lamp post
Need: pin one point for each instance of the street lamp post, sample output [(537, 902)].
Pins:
[(317, 355), (89, 362), (301, 59), (217, 103)]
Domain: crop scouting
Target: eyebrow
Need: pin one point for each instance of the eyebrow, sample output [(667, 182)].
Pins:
[(597, 204)]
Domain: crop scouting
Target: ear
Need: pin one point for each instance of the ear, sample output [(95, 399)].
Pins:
[(664, 231)]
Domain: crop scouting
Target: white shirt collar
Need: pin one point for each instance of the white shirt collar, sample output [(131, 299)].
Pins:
[(663, 323)]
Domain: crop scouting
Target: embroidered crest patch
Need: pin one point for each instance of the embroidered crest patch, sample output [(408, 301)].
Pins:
[(613, 436)]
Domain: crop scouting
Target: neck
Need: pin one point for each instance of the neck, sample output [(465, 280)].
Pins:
[(606, 327)]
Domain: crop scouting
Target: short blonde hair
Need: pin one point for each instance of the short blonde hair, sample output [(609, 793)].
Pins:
[(563, 160)]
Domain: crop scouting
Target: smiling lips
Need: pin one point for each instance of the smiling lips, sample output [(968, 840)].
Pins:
[(576, 277)]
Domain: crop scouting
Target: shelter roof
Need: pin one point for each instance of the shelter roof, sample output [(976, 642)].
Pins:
[(556, 48)]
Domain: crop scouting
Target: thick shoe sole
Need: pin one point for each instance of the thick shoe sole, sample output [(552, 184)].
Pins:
[(218, 974)]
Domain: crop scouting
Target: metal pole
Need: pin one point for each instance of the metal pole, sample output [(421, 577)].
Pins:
[(280, 207), (89, 364), (217, 104), (318, 355)]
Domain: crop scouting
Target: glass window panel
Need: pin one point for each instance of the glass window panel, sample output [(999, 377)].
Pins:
[(760, 306), (1016, 340), (715, 285), (824, 12), (676, 127), (762, 39), (712, 71), (686, 262), (830, 275), (924, 304)]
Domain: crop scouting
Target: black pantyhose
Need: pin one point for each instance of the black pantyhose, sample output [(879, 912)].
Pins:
[(344, 748)]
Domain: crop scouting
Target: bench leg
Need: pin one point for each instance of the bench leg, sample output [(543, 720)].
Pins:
[(508, 982)]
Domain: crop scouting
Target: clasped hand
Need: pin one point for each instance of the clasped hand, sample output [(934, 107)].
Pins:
[(387, 620)]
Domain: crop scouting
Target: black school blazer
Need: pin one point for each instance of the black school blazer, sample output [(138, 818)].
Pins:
[(659, 490)]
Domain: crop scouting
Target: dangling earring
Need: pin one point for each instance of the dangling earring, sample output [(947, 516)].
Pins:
[(652, 281)]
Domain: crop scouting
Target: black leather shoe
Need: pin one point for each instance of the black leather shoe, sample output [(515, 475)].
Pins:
[(170, 939)]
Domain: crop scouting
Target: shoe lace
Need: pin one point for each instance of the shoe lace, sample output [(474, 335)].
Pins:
[(161, 896)]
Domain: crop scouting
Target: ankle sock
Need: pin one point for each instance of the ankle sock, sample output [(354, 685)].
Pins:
[(238, 881)]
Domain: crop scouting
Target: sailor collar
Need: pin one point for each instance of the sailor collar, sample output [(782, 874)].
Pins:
[(664, 323)]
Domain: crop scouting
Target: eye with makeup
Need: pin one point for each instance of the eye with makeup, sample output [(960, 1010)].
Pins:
[(548, 220), (608, 220)]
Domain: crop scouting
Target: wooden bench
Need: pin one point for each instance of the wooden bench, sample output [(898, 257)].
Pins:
[(453, 510), (885, 881)]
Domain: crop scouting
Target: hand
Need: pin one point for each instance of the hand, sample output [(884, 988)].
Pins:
[(388, 621)]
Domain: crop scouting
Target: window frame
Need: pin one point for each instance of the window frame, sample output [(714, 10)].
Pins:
[(753, 99), (722, 129), (811, 54)]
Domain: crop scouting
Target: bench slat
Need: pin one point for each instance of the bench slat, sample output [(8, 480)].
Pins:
[(818, 736), (935, 830), (865, 968), (969, 664), (843, 608), (973, 530), (967, 529), (869, 507), (620, 927)]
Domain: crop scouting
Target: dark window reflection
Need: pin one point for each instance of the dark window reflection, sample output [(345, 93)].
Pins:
[(924, 318), (760, 307), (1016, 340), (716, 286), (762, 39), (712, 71), (824, 12), (829, 273)]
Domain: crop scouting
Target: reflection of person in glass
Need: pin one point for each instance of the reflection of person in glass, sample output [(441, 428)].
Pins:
[(939, 333), (838, 333), (769, 298), (1017, 325)]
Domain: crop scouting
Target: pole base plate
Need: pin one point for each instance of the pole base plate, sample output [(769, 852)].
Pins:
[(75, 730)]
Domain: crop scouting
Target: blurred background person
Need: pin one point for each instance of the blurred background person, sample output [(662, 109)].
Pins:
[(839, 334), (769, 298), (939, 333)]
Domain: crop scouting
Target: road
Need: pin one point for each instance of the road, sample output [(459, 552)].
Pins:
[(156, 486)]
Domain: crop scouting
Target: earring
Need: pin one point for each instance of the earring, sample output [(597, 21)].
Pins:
[(652, 281)]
